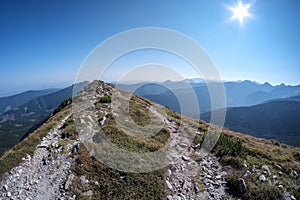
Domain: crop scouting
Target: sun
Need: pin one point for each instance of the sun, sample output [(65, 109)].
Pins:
[(240, 12)]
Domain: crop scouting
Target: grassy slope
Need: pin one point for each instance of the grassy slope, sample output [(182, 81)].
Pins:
[(239, 153), (115, 184)]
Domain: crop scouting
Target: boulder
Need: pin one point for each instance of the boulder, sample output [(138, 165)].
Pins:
[(169, 172), (169, 197), (243, 185), (170, 187), (196, 188), (185, 158), (8, 194), (294, 173), (69, 181), (5, 188), (262, 178), (266, 169)]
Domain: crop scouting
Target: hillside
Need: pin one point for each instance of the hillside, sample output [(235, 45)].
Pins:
[(17, 122), (11, 102), (272, 120), (56, 160)]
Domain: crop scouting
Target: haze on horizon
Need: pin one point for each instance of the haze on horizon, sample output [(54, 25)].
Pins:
[(43, 43)]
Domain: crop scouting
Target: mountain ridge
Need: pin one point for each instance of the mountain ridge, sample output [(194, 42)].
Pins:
[(244, 164), (12, 101)]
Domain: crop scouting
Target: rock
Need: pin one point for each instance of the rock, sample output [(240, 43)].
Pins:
[(173, 167), (169, 172), (169, 197), (8, 194), (195, 147), (247, 173), (294, 173), (262, 178), (69, 181), (170, 187), (83, 180), (183, 145), (185, 158), (5, 188), (28, 157), (245, 164), (208, 176), (278, 166), (266, 168), (196, 188), (88, 193), (287, 195), (181, 196), (186, 185), (243, 185), (177, 198), (223, 173)]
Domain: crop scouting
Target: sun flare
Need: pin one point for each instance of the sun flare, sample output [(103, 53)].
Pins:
[(240, 12)]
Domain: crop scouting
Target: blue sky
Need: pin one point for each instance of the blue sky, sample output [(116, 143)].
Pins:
[(43, 43)]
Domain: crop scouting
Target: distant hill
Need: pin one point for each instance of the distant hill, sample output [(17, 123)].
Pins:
[(15, 123), (277, 120), (10, 102), (244, 93), (294, 98)]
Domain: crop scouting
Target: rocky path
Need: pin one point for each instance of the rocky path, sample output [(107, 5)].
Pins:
[(189, 179), (44, 175)]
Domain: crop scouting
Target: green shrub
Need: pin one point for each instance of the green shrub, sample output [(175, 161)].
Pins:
[(234, 162), (297, 156), (263, 193), (63, 105), (105, 99), (227, 146), (234, 185)]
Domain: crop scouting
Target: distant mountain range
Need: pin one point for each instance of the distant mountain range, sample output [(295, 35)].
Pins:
[(11, 102), (244, 93), (278, 119), (261, 110), (16, 122)]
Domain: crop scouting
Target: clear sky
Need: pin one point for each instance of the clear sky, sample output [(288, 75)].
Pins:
[(43, 43)]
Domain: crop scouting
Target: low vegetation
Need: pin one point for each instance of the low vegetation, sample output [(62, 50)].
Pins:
[(138, 111), (114, 184), (244, 153), (105, 99)]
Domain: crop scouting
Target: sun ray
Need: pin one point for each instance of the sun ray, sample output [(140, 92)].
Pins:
[(240, 12)]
